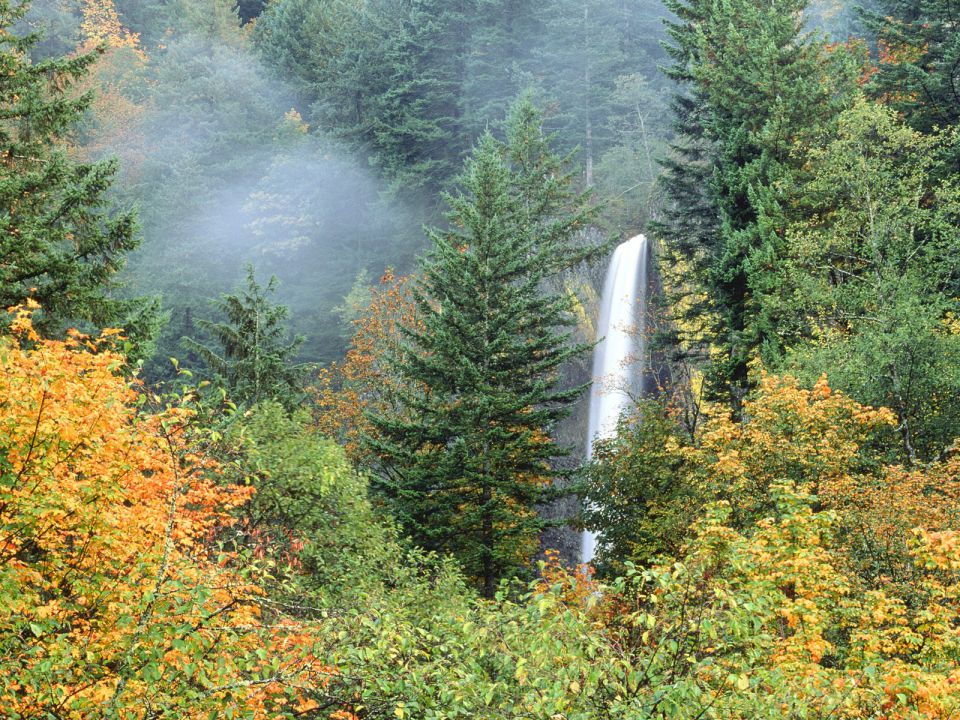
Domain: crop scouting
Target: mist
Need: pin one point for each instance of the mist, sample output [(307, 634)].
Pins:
[(225, 172), (315, 141)]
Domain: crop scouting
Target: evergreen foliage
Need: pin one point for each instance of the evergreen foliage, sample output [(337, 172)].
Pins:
[(752, 85), (58, 244), (592, 46), (414, 83), (384, 76), (466, 458), (255, 362), (918, 72)]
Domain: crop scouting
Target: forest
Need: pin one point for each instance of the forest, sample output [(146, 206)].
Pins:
[(300, 309)]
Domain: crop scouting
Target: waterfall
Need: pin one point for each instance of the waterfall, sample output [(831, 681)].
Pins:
[(619, 356)]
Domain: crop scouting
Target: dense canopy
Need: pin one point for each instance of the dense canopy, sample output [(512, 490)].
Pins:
[(299, 303)]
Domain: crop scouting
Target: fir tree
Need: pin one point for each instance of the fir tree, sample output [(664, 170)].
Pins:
[(497, 67), (256, 361), (386, 76), (752, 85), (418, 121), (465, 458), (57, 243), (590, 45)]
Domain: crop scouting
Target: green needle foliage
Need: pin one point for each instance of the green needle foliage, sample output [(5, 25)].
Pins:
[(919, 69), (466, 453), (752, 85), (57, 243), (256, 360)]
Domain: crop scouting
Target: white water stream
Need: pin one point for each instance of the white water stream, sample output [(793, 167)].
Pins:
[(619, 358)]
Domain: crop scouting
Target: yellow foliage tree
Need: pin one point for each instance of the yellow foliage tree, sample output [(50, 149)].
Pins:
[(115, 80), (101, 26), (815, 582), (114, 601)]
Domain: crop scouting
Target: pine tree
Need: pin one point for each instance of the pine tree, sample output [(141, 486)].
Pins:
[(256, 361), (57, 243), (465, 457)]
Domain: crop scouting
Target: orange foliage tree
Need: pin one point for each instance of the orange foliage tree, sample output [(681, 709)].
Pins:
[(364, 382), (114, 601), (116, 81)]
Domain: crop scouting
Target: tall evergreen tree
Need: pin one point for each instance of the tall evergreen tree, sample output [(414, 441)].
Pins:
[(752, 84), (587, 47), (413, 82), (497, 67), (418, 121), (57, 243), (386, 76), (465, 458)]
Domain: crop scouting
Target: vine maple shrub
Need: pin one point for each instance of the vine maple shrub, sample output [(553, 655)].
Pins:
[(345, 392), (113, 601)]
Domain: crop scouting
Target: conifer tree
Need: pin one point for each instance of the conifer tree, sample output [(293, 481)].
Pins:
[(590, 45), (919, 69), (417, 123), (465, 456), (752, 84), (57, 243), (256, 361), (385, 76), (497, 68)]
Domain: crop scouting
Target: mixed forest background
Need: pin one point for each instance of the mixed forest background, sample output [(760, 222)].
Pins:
[(301, 296)]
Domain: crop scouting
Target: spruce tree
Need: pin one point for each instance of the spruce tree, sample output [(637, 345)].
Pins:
[(417, 123), (57, 243), (466, 453)]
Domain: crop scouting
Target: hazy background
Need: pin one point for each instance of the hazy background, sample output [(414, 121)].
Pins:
[(313, 137)]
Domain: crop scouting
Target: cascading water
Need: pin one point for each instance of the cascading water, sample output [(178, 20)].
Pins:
[(620, 355)]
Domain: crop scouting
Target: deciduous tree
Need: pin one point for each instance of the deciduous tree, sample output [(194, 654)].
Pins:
[(114, 599)]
